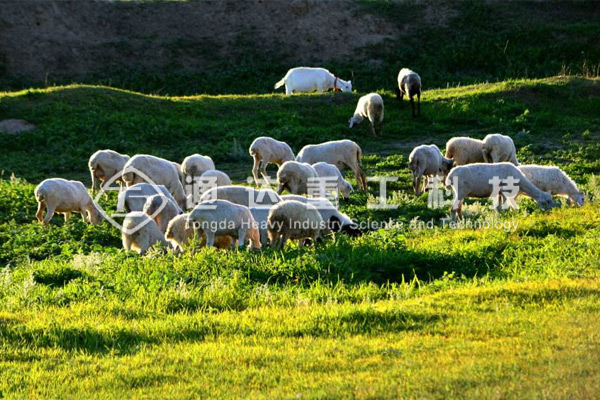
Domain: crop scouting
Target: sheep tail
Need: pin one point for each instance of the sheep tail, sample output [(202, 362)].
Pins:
[(280, 83), (40, 196)]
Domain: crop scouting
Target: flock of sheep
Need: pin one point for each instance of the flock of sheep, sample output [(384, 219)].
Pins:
[(162, 207)]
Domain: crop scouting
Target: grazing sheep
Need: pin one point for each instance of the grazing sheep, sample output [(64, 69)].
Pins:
[(161, 210), (195, 165), (140, 232), (296, 177), (499, 148), (306, 79), (242, 195), (554, 181), (292, 219), (473, 180), (427, 160), (341, 153), (219, 178), (159, 171), (268, 151), (179, 233), (330, 171), (61, 196), (104, 164), (134, 197), (335, 220), (464, 150), (409, 83), (369, 106), (222, 217)]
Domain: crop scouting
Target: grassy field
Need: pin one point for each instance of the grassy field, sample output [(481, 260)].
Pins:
[(400, 313)]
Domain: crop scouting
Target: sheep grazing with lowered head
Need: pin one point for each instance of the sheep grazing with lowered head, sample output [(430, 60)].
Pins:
[(369, 106), (296, 177), (464, 150), (104, 165), (554, 181), (61, 196), (180, 232), (140, 232), (142, 167), (224, 218), (267, 150), (409, 84), (332, 174), (193, 166), (499, 148), (161, 210), (341, 153), (427, 160), (242, 195), (306, 79), (476, 180), (294, 220), (335, 220), (134, 197)]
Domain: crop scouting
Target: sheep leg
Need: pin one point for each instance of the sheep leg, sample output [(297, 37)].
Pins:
[(255, 169), (283, 240), (49, 214), (419, 103), (456, 208), (412, 105), (399, 94), (143, 244), (373, 131), (40, 211), (210, 239), (361, 178), (264, 172), (288, 90), (241, 236), (127, 242), (67, 215)]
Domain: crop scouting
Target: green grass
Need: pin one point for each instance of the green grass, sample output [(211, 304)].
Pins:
[(402, 313)]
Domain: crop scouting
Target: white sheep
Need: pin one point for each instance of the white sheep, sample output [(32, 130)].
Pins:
[(341, 153), (331, 173), (427, 160), (140, 232), (475, 180), (296, 177), (306, 79), (242, 195), (161, 210), (409, 83), (499, 148), (294, 220), (61, 196), (216, 177), (267, 150), (193, 166), (369, 106), (554, 181), (222, 217), (335, 220), (134, 197), (180, 232), (142, 167), (105, 164), (464, 150)]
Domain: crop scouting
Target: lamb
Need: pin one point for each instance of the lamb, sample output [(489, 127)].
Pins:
[(161, 210), (296, 177), (369, 106), (330, 171), (464, 150), (292, 219), (61, 196), (554, 181), (335, 220), (409, 83), (242, 195), (143, 168), (499, 148), (268, 151), (179, 233), (341, 153), (474, 180), (104, 165), (140, 232), (427, 160), (222, 217), (306, 79), (134, 197)]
